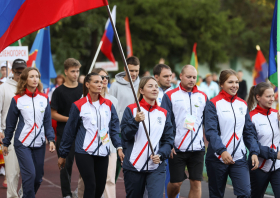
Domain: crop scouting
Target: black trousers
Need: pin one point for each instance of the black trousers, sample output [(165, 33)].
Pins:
[(93, 170), (66, 172), (260, 180)]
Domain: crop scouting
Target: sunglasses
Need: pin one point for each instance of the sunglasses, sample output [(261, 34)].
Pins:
[(107, 77)]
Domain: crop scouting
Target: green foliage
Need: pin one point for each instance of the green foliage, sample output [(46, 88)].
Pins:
[(223, 29)]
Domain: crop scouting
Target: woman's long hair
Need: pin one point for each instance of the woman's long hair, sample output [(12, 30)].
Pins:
[(98, 70), (142, 84), (22, 83), (87, 79), (257, 90)]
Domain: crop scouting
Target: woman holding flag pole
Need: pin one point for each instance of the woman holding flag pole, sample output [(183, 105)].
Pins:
[(141, 167)]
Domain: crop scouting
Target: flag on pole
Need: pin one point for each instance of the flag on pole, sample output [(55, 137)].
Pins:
[(40, 56), (260, 72), (274, 46), (108, 36), (19, 18), (128, 38), (194, 61)]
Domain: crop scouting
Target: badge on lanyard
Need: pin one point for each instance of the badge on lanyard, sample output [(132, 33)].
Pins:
[(189, 122), (104, 136)]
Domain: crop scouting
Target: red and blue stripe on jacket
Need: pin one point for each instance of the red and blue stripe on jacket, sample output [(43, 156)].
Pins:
[(228, 126), (79, 126), (179, 103), (267, 127), (159, 126), (33, 114)]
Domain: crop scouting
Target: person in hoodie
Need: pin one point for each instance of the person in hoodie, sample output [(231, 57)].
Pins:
[(92, 123), (7, 92), (265, 120), (186, 106), (228, 128), (30, 115), (121, 90), (142, 169)]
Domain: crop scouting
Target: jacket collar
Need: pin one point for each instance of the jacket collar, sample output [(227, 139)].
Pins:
[(194, 90), (227, 96), (262, 110), (147, 106), (30, 94), (100, 98)]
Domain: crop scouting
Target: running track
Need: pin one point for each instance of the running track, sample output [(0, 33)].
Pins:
[(50, 186)]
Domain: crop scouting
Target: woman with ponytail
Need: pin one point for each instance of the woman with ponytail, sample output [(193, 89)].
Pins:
[(265, 120), (92, 123), (229, 130), (141, 168)]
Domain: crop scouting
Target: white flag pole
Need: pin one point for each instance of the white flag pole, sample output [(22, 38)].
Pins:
[(95, 56), (19, 42)]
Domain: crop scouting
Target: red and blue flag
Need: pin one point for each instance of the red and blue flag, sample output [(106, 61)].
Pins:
[(108, 36), (260, 73), (19, 18)]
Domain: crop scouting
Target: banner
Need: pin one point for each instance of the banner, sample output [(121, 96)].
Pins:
[(13, 52)]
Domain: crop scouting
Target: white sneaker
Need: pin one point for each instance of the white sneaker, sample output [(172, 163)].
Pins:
[(67, 196), (2, 171), (75, 193)]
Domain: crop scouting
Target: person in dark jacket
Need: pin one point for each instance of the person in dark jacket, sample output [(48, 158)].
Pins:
[(30, 112), (265, 120), (92, 122), (242, 91), (141, 168), (228, 129)]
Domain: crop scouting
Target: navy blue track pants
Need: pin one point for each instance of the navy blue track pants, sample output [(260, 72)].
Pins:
[(260, 180), (31, 163), (135, 182), (218, 173)]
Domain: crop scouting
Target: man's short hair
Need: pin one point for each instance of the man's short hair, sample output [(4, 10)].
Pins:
[(133, 60), (159, 67), (71, 62)]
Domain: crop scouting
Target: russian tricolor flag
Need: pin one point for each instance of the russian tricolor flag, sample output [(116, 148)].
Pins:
[(19, 18), (108, 36)]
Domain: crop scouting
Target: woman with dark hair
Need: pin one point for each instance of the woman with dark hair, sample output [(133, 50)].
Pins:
[(228, 129), (265, 120), (92, 123), (31, 109), (140, 167)]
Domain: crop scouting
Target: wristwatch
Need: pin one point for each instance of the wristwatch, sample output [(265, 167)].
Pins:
[(160, 157)]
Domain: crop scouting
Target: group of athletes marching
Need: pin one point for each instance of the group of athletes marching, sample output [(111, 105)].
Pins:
[(176, 121)]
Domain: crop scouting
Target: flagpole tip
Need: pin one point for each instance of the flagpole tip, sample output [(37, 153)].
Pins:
[(258, 47)]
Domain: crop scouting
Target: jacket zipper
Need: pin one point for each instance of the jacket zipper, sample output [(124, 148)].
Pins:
[(272, 133), (34, 119), (191, 114), (149, 135), (98, 128), (234, 134)]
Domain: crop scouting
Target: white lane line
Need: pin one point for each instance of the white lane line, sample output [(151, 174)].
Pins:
[(49, 158), (46, 180)]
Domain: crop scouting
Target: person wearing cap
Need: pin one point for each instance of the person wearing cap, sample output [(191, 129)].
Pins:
[(7, 92), (4, 71), (209, 87)]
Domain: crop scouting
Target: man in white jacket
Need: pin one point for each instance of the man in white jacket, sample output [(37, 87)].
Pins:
[(7, 92)]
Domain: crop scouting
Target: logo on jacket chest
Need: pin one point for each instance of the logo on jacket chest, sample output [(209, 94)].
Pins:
[(159, 120), (241, 111)]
